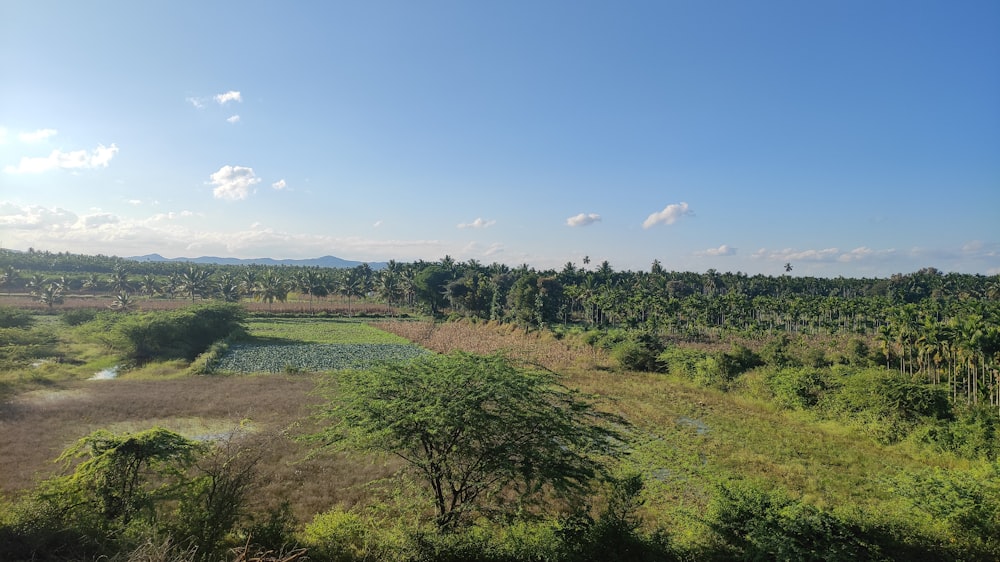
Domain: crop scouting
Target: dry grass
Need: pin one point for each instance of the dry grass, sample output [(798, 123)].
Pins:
[(541, 348), (36, 426)]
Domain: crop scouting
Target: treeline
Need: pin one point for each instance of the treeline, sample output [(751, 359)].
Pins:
[(937, 328)]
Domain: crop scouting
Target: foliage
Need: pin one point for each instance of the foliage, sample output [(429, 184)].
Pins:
[(797, 388), (476, 429), (117, 478), (179, 334), (755, 524), (15, 318), (78, 316), (639, 352), (965, 502), (253, 358)]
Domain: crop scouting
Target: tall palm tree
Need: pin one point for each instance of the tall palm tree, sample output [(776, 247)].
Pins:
[(194, 281), (271, 287)]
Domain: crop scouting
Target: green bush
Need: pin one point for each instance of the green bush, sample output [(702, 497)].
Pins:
[(15, 318), (638, 353), (754, 524), (681, 361), (78, 316), (179, 334), (797, 388)]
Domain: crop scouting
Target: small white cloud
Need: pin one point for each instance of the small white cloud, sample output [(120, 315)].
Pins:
[(135, 202), (233, 182), (279, 185), (583, 219), (227, 97), (234, 119), (669, 215), (723, 250), (196, 102), (377, 224), (78, 159), (478, 223), (37, 136)]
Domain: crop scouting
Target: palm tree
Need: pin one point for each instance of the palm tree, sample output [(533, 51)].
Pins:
[(194, 282), (149, 285), (270, 287), (351, 286), (123, 302), (119, 281), (49, 295)]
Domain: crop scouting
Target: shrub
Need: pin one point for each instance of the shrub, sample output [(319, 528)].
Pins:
[(797, 388), (638, 353), (754, 524), (78, 316), (681, 361), (15, 318), (338, 536)]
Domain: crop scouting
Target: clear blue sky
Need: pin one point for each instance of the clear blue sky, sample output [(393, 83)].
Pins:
[(851, 138)]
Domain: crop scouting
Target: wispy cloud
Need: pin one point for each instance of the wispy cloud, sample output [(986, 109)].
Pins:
[(231, 95), (827, 255), (279, 185), (198, 103), (478, 223), (233, 182), (234, 119), (723, 250), (78, 159), (37, 136), (583, 219), (377, 223), (669, 215)]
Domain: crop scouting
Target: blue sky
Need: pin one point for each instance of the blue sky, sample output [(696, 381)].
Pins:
[(850, 138)]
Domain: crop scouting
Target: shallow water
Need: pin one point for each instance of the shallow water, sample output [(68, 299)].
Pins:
[(105, 374)]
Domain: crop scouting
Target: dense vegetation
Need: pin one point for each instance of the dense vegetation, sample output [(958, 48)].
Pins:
[(897, 380)]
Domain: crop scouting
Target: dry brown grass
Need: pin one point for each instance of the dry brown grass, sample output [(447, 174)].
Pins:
[(541, 348), (36, 426)]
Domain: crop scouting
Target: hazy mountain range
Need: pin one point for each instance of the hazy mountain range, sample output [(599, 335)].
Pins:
[(325, 261)]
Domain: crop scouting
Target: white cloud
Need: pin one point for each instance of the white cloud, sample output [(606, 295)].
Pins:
[(583, 219), (233, 182), (227, 97), (377, 224), (135, 202), (723, 250), (196, 102), (78, 159), (34, 217), (234, 119), (279, 185), (98, 220), (36, 136), (478, 223), (669, 215)]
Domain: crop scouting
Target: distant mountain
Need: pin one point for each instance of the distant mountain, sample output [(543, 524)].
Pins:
[(325, 261)]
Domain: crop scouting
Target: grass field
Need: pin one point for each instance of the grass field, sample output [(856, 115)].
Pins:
[(686, 439)]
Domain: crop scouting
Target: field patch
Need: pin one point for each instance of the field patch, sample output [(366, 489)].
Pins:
[(277, 358), (319, 330)]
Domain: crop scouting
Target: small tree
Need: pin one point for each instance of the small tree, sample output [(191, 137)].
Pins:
[(472, 428)]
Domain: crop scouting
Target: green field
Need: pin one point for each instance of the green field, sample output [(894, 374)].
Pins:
[(318, 330)]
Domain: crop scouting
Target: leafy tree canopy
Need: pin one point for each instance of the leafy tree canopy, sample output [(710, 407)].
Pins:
[(476, 429)]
